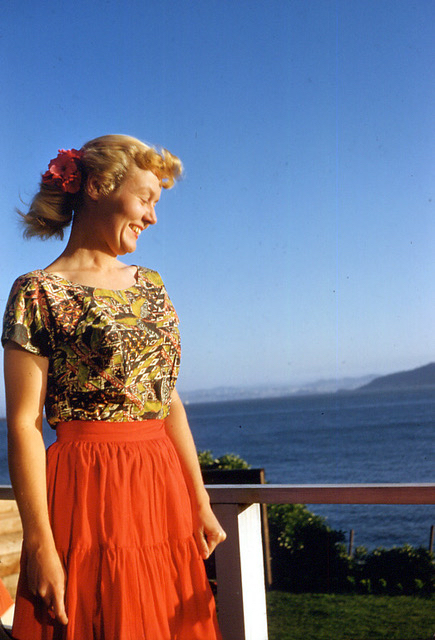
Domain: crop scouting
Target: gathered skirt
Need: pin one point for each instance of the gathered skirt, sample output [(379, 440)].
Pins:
[(122, 523)]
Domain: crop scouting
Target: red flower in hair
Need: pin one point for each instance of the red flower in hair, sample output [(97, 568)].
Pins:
[(64, 172)]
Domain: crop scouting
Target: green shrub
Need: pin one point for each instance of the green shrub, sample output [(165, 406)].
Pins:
[(307, 555), (227, 461), (400, 570), (206, 459)]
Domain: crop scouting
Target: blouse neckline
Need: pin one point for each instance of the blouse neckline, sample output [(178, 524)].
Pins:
[(71, 283)]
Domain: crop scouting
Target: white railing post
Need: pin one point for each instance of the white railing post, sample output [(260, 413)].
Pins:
[(240, 573)]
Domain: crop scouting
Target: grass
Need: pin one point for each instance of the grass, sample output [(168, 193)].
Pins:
[(349, 617)]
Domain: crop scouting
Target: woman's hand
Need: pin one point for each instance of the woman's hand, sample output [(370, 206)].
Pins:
[(208, 532), (46, 579)]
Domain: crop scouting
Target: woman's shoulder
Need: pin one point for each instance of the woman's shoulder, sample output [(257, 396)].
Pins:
[(149, 275), (25, 315), (28, 281)]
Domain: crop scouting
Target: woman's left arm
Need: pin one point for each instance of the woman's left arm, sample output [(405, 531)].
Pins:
[(207, 530)]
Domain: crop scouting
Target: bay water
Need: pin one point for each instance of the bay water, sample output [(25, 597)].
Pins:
[(376, 437)]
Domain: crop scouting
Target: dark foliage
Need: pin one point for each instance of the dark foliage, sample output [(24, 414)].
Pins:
[(401, 570), (307, 555)]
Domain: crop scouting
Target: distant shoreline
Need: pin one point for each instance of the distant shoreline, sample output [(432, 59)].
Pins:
[(419, 378), (341, 392)]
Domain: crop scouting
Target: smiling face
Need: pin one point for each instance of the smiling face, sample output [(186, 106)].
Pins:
[(120, 217)]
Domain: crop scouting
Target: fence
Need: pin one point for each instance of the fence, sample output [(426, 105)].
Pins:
[(239, 560)]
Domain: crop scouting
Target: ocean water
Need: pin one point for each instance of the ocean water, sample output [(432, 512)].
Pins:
[(335, 438)]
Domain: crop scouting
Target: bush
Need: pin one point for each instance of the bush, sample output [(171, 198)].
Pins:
[(307, 555), (401, 570), (227, 461)]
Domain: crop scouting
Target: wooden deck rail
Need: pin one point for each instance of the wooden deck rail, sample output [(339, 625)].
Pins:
[(239, 560)]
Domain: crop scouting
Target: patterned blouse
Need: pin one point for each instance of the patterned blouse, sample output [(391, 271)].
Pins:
[(113, 355)]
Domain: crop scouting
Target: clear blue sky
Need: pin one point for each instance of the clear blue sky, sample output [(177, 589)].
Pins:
[(300, 243)]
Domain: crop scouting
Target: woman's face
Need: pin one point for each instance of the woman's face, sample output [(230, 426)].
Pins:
[(121, 216)]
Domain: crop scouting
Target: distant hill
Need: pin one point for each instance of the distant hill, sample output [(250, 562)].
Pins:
[(415, 378), (226, 394)]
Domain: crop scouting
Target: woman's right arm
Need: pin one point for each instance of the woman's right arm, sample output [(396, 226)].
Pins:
[(26, 383)]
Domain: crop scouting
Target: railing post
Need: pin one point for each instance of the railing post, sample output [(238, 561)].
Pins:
[(240, 573)]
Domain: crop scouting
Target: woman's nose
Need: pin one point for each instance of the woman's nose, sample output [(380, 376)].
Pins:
[(150, 216)]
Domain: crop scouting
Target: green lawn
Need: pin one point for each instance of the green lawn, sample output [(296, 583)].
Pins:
[(349, 617)]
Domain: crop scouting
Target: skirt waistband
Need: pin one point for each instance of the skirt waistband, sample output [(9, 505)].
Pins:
[(100, 431)]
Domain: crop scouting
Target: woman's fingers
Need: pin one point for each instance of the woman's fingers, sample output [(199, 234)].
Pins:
[(54, 599), (207, 541), (201, 543), (215, 538), (58, 606), (207, 530), (46, 579)]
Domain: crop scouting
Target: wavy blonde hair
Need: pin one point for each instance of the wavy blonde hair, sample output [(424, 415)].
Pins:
[(109, 158)]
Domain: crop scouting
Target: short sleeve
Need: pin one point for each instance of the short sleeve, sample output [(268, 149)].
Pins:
[(25, 318)]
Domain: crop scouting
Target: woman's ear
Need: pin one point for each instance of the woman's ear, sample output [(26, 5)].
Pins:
[(93, 188)]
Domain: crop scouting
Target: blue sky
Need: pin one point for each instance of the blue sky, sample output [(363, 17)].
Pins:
[(300, 243)]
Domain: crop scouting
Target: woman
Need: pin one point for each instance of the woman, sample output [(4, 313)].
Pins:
[(115, 551)]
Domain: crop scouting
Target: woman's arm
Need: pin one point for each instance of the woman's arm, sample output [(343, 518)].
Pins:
[(25, 382), (208, 532)]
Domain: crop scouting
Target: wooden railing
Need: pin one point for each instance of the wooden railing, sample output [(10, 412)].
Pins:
[(239, 560)]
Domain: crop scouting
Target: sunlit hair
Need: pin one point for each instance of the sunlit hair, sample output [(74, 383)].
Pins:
[(108, 158)]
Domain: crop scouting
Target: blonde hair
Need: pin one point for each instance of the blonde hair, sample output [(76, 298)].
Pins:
[(109, 158)]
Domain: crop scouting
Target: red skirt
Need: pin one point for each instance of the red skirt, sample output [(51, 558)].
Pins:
[(121, 519)]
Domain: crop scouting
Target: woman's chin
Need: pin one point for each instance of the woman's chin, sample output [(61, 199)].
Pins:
[(126, 248)]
